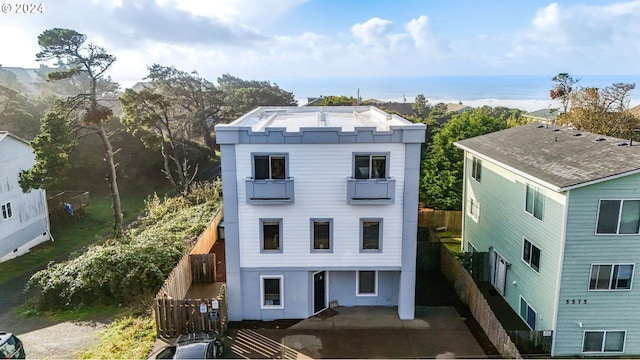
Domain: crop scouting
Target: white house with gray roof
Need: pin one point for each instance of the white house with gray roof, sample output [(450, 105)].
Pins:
[(24, 219), (559, 212), (320, 208)]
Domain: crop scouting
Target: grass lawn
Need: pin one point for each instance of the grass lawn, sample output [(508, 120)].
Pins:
[(451, 240), (73, 237)]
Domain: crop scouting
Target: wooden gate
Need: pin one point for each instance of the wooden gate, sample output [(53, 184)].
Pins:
[(203, 268), (182, 316)]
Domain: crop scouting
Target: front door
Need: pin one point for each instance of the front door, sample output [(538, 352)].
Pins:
[(319, 291), (499, 273)]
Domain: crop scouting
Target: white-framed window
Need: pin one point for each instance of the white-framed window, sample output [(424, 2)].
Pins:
[(367, 283), (271, 291), (534, 201), (270, 166), (603, 341), (271, 235), (474, 209), (611, 276), (7, 213), (531, 255), (618, 217), (370, 166), (527, 313), (371, 235), (321, 235), (476, 168)]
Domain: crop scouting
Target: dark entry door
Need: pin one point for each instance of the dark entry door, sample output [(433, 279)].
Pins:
[(319, 291)]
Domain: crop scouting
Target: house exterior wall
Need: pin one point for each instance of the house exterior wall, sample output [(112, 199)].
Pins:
[(320, 172), (607, 309), (29, 222), (319, 161), (503, 225)]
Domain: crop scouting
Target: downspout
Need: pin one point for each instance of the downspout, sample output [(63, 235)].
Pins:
[(46, 214), (464, 201)]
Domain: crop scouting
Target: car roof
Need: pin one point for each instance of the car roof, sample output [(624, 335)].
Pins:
[(4, 336), (191, 351)]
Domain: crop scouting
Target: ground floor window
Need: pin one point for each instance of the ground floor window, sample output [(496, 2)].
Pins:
[(527, 313), (367, 283), (271, 291), (604, 341)]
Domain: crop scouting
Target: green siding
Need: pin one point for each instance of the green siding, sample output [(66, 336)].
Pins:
[(503, 223), (605, 310)]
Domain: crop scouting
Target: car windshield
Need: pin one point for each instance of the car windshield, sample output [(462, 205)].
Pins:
[(9, 347), (191, 351)]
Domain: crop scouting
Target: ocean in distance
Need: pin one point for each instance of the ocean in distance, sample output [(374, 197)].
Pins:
[(526, 92)]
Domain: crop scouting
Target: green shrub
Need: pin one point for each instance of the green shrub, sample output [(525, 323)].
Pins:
[(122, 270)]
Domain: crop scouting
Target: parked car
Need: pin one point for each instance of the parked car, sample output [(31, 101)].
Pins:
[(199, 345), (10, 346)]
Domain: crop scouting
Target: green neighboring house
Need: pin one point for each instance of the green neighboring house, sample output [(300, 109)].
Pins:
[(558, 210)]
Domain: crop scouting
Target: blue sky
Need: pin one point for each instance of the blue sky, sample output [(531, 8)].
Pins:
[(271, 39)]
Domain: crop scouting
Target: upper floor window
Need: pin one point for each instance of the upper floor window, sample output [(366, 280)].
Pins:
[(611, 276), (269, 166), (6, 211), (321, 234), (603, 341), (474, 209), (271, 234), (534, 202), (476, 168), (531, 255), (370, 166), (527, 313), (371, 235), (618, 217)]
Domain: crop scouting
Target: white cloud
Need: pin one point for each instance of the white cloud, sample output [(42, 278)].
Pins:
[(425, 39), (373, 31)]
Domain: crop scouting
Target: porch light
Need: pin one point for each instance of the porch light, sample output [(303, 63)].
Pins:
[(221, 230)]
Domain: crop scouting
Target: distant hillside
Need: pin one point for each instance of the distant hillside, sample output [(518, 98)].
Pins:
[(23, 80)]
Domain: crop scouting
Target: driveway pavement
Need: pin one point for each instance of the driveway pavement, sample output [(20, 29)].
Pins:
[(362, 332)]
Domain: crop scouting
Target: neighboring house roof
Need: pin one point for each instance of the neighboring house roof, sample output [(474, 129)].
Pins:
[(5, 134), (404, 109), (544, 115), (558, 158), (458, 108)]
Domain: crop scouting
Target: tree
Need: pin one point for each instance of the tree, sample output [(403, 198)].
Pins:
[(197, 99), (602, 111), (18, 114), (156, 120), (565, 86), (421, 107), (442, 169), (339, 101), (242, 96), (52, 147), (86, 113)]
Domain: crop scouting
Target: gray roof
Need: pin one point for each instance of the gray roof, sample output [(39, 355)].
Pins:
[(558, 158)]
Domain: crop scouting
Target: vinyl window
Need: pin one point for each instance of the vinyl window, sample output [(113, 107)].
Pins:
[(476, 168), (527, 313), (534, 201), (267, 166), (271, 291), (531, 255), (611, 276), (474, 209), (370, 166), (371, 235), (367, 283), (604, 341), (321, 234), (619, 217), (271, 235), (7, 213)]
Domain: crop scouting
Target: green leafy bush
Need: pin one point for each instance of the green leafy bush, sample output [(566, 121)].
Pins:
[(122, 270)]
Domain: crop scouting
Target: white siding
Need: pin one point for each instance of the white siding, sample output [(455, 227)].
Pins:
[(320, 172)]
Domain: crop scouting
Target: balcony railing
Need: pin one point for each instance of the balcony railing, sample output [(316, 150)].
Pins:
[(371, 191), (270, 191)]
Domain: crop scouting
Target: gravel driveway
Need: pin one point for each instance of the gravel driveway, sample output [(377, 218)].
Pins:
[(43, 338)]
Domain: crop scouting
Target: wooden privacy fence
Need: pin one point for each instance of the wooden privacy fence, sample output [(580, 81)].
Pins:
[(451, 220), (179, 316), (180, 279), (203, 268), (471, 296)]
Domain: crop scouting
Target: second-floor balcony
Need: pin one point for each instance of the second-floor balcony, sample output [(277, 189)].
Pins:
[(371, 191), (270, 191)]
